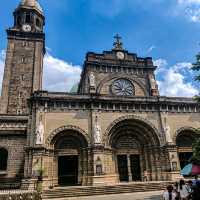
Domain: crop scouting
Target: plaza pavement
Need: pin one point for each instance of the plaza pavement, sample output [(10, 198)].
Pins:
[(156, 195)]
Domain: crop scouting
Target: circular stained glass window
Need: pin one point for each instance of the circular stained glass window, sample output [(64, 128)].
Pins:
[(123, 87)]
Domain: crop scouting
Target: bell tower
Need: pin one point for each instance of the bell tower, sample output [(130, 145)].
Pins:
[(24, 57)]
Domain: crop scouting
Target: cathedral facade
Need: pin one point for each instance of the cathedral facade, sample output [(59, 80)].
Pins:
[(115, 128)]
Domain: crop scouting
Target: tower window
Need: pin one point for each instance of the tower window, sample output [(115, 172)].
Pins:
[(19, 20), (23, 60), (24, 44), (22, 77), (20, 94), (19, 112), (38, 24), (28, 18), (3, 159)]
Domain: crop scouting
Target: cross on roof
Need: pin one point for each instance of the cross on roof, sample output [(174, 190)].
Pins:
[(118, 45)]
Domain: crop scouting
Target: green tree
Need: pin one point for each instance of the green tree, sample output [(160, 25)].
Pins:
[(196, 67), (196, 152)]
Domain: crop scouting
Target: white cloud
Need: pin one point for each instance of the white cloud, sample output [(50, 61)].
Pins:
[(59, 75), (172, 81), (150, 49), (161, 64), (189, 8), (2, 61), (189, 2)]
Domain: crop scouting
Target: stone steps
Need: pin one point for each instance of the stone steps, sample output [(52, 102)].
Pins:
[(103, 190)]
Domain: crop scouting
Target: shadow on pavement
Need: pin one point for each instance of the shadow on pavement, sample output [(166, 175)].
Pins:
[(157, 197)]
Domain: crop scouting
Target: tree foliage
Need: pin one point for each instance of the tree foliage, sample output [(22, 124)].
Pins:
[(196, 67), (196, 152)]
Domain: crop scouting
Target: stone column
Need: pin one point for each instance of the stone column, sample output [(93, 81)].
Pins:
[(130, 178), (153, 165), (84, 167), (148, 163), (157, 163)]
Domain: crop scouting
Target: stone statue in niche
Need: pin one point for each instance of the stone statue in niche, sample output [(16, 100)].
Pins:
[(167, 131), (99, 169), (97, 132), (92, 80), (153, 83), (40, 132)]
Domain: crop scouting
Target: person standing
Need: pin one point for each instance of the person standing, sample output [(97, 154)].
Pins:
[(195, 180), (169, 194), (189, 186), (183, 190), (196, 191), (145, 177)]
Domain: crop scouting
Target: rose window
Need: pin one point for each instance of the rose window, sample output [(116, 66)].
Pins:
[(123, 87)]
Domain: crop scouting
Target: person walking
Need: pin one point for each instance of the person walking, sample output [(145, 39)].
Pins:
[(145, 177), (196, 192), (169, 194), (183, 191), (195, 180), (189, 187)]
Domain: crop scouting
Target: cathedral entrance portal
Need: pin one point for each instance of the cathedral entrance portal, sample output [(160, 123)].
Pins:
[(135, 148), (68, 170), (71, 158)]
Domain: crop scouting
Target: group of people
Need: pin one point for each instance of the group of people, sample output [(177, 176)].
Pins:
[(189, 190)]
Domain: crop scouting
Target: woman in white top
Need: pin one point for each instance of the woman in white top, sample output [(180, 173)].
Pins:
[(183, 190), (169, 194)]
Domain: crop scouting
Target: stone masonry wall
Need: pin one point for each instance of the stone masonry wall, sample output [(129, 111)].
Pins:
[(15, 147)]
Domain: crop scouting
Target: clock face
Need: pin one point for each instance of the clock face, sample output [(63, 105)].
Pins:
[(120, 55), (123, 87), (26, 28)]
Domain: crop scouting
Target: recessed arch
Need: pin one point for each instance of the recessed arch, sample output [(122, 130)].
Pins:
[(61, 129), (184, 139), (70, 145), (138, 123), (135, 143), (186, 130)]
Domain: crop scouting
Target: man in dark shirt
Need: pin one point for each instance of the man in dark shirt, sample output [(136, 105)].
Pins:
[(196, 191)]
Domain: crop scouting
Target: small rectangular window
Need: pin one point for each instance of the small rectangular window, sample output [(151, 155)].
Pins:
[(23, 59), (28, 17)]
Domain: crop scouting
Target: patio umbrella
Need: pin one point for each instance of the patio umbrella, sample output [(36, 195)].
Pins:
[(191, 169)]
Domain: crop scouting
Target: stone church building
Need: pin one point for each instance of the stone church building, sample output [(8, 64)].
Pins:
[(115, 128)]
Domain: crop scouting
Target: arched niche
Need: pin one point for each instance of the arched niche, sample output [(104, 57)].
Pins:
[(3, 159), (185, 138)]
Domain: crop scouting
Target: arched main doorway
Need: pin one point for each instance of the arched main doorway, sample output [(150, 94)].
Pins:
[(71, 153), (184, 141), (136, 150)]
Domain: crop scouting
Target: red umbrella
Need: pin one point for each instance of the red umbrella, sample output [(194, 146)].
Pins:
[(195, 169)]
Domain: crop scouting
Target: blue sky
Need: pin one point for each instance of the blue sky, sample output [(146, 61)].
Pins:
[(167, 30)]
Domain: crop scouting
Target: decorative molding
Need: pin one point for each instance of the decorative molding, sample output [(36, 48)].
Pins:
[(13, 126), (65, 128)]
